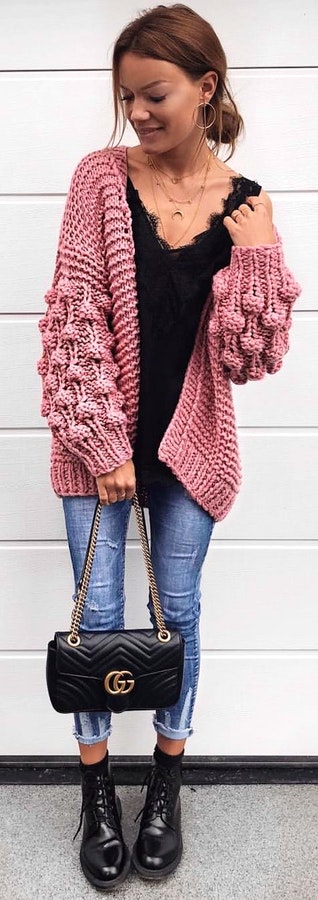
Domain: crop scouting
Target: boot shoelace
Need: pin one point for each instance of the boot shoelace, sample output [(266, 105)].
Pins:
[(158, 797), (100, 796)]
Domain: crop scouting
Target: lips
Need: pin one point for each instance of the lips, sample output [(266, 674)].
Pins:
[(147, 131)]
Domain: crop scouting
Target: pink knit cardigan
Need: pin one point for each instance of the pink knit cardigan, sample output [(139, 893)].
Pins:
[(90, 361)]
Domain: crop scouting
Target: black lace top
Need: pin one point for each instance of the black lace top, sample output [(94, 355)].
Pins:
[(172, 287)]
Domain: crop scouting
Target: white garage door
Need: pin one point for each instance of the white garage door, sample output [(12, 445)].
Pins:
[(260, 622)]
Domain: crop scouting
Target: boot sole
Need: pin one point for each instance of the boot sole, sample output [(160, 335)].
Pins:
[(155, 874), (114, 882)]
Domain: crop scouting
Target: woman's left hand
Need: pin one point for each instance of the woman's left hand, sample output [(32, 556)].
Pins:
[(252, 227)]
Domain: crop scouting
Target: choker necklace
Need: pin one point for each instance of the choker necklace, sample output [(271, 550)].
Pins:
[(175, 179)]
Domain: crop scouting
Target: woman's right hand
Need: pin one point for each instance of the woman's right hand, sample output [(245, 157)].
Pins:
[(120, 484)]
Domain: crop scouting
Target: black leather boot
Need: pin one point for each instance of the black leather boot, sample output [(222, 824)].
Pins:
[(158, 848), (104, 856)]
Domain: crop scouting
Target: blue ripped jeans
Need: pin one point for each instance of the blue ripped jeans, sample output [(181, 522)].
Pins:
[(180, 535)]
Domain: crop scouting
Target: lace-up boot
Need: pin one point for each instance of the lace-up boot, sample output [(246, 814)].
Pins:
[(158, 848), (104, 855)]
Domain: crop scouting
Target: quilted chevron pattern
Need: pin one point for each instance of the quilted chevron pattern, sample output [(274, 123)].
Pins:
[(75, 675)]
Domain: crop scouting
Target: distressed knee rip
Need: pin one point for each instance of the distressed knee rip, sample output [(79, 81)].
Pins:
[(185, 712), (106, 602), (112, 544), (103, 612), (94, 605), (194, 554), (102, 603)]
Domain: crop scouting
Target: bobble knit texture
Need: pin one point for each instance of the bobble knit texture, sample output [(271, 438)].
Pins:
[(90, 334)]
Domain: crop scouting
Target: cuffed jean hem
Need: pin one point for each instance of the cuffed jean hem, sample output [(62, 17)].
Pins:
[(172, 733), (94, 739)]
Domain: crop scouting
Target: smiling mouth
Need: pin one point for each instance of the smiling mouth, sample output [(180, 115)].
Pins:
[(144, 132)]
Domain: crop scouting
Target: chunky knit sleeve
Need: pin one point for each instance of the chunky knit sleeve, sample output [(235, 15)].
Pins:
[(81, 400), (252, 303)]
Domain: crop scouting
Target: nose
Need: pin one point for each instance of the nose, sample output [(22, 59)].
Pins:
[(138, 112)]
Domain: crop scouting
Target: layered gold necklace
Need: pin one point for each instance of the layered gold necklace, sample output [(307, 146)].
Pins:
[(175, 179), (177, 213)]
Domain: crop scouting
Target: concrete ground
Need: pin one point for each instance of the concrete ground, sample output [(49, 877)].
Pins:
[(241, 842)]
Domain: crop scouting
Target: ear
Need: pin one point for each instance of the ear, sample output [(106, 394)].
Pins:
[(208, 85)]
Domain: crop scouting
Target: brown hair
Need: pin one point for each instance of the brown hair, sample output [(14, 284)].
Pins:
[(179, 35)]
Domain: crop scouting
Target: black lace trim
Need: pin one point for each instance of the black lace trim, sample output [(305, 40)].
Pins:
[(240, 185)]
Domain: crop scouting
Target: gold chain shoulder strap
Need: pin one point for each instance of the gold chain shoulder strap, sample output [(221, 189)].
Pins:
[(82, 588)]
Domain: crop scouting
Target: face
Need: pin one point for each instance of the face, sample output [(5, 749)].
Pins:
[(160, 102)]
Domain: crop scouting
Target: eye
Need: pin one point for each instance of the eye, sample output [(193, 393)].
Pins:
[(126, 99), (157, 99)]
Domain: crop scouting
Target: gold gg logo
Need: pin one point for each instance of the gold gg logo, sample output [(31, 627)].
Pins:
[(116, 683)]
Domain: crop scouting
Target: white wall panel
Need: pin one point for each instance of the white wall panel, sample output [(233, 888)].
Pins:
[(29, 509), (259, 624), (37, 590), (20, 385), (260, 596), (248, 704), (275, 106), (71, 35), (277, 501), (257, 704), (290, 398), (29, 233), (254, 595), (285, 399), (57, 118), (29, 230), (271, 34), (296, 217), (37, 593)]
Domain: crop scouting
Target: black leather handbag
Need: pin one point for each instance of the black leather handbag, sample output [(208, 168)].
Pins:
[(94, 671)]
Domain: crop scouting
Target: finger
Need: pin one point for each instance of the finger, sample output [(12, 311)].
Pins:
[(102, 490), (254, 202), (130, 486), (130, 491), (236, 216), (245, 209), (231, 225), (124, 490), (103, 496), (112, 495)]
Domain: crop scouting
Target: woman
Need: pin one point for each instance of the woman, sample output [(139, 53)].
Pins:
[(170, 282)]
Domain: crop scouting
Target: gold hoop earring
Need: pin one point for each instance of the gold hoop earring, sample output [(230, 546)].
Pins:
[(206, 124)]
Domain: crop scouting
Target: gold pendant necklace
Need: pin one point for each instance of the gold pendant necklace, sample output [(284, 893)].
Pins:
[(179, 213), (177, 203)]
